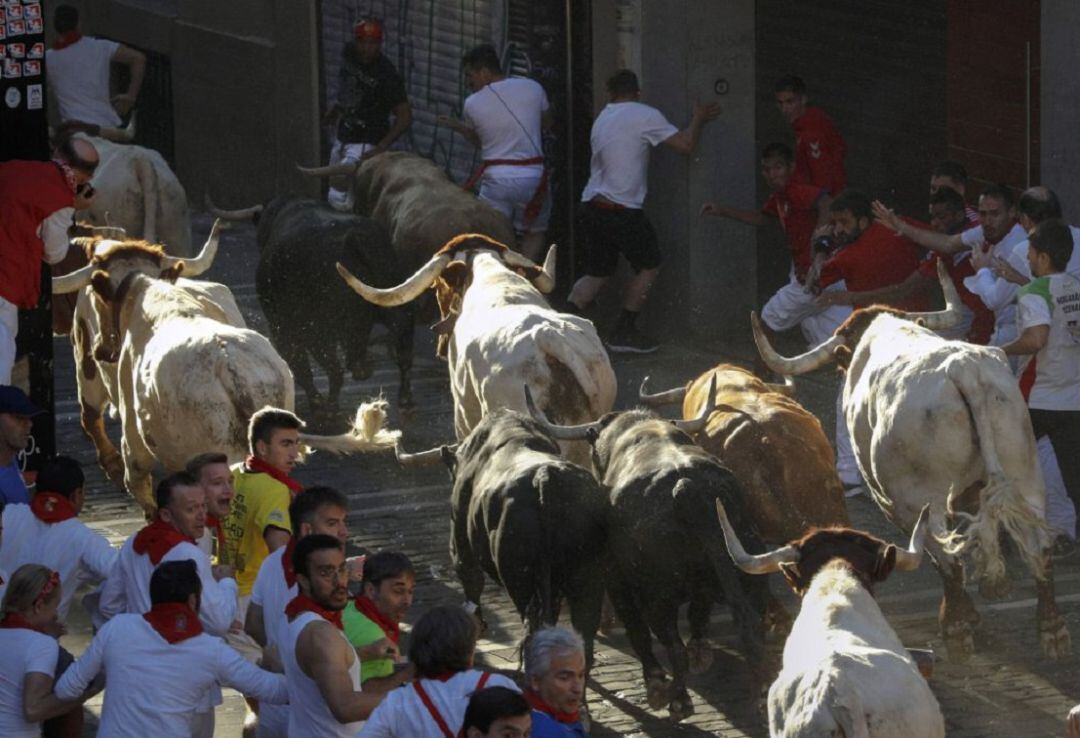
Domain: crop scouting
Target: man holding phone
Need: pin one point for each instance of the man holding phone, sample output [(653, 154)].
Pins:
[(37, 202)]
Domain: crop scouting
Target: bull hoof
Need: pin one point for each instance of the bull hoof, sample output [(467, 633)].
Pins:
[(1054, 638), (681, 707), (995, 590), (959, 642), (700, 653), (657, 692)]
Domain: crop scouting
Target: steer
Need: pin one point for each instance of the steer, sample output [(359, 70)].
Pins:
[(309, 310), (665, 546), (845, 671), (417, 203), (498, 332), (943, 423), (530, 520), (187, 380)]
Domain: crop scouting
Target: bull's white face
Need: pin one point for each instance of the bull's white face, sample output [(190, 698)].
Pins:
[(107, 342)]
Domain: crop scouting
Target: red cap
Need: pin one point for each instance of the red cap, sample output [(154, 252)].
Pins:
[(368, 29)]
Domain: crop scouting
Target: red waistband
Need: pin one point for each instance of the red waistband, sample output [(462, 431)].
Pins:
[(606, 204)]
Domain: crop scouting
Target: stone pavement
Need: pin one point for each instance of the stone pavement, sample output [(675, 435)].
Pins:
[(1007, 689)]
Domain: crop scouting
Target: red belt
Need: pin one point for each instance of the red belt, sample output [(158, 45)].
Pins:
[(532, 208), (606, 204)]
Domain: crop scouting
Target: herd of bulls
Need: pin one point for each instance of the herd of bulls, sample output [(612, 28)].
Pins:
[(556, 496)]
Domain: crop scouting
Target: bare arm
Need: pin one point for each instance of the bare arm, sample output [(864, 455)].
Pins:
[(39, 702), (750, 217), (889, 295), (685, 141), (254, 625), (940, 242), (136, 63), (402, 121), (325, 656), (1031, 341), (275, 537)]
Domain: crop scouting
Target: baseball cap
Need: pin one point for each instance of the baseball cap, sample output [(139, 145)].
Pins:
[(15, 402), (368, 29)]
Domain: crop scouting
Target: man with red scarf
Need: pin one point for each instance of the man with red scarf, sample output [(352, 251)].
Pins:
[(321, 666), (180, 521), (48, 532), (162, 668), (37, 201), (372, 620), (213, 472), (555, 682)]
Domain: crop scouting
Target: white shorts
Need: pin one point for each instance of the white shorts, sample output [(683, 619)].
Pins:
[(9, 328), (511, 196), (793, 306), (343, 153)]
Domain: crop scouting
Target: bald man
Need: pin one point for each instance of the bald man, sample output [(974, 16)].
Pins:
[(37, 201)]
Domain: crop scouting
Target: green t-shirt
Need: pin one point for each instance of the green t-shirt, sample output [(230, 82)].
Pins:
[(363, 632)]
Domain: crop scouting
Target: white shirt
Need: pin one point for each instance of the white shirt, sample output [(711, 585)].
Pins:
[(309, 715), (1052, 376), (997, 294), (402, 714), (271, 594), (621, 138), (76, 552), (506, 116), (128, 587), (24, 652), (53, 232), (79, 77), (154, 687)]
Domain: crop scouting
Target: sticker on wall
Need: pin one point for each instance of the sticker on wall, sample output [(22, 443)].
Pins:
[(12, 97), (3, 15), (35, 26), (3, 30), (16, 51), (37, 51), (31, 68), (15, 12), (3, 51), (16, 28), (33, 11), (35, 97), (12, 69)]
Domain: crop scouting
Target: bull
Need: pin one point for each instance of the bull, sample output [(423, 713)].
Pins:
[(845, 671), (299, 241), (532, 521), (665, 546), (188, 381), (417, 203), (943, 423), (498, 333)]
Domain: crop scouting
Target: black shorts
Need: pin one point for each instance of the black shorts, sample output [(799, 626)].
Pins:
[(610, 231)]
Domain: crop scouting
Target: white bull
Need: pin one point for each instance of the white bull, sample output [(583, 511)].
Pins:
[(943, 423), (499, 334), (845, 672), (187, 379)]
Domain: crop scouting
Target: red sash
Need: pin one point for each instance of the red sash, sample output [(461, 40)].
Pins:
[(438, 718), (52, 507), (174, 621), (606, 204), (259, 466), (368, 609), (15, 620), (286, 563), (303, 603), (536, 202), (157, 539)]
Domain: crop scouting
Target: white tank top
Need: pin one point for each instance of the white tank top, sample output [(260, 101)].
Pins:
[(308, 712)]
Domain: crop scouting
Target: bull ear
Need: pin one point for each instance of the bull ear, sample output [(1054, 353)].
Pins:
[(172, 273), (99, 280), (449, 458), (591, 435), (886, 561)]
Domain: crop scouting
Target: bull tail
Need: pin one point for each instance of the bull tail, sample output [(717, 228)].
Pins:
[(144, 172), (1000, 502), (368, 433), (541, 603)]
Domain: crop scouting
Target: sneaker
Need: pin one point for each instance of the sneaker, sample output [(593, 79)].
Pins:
[(629, 340), (1063, 548)]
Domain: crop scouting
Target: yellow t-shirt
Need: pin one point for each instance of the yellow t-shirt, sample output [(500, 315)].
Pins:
[(260, 501)]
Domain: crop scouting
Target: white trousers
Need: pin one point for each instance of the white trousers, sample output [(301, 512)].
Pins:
[(343, 153)]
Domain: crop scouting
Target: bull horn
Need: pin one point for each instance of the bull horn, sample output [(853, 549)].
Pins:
[(813, 359), (668, 397), (246, 215), (753, 564), (331, 170), (545, 281), (558, 432), (910, 559), (940, 320), (787, 388), (421, 458), (405, 292), (198, 265), (698, 423), (73, 281), (108, 231)]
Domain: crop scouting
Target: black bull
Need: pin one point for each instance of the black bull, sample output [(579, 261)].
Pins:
[(530, 520), (310, 310)]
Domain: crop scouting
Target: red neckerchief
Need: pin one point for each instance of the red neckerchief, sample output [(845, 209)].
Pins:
[(65, 40), (157, 539), (174, 621), (563, 717), (258, 466), (368, 609), (214, 524), (286, 563), (52, 507), (68, 172), (15, 620), (303, 603)]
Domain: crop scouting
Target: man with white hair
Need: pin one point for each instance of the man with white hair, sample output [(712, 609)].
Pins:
[(555, 682)]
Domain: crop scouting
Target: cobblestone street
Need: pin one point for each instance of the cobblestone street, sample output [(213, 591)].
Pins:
[(1007, 689)]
